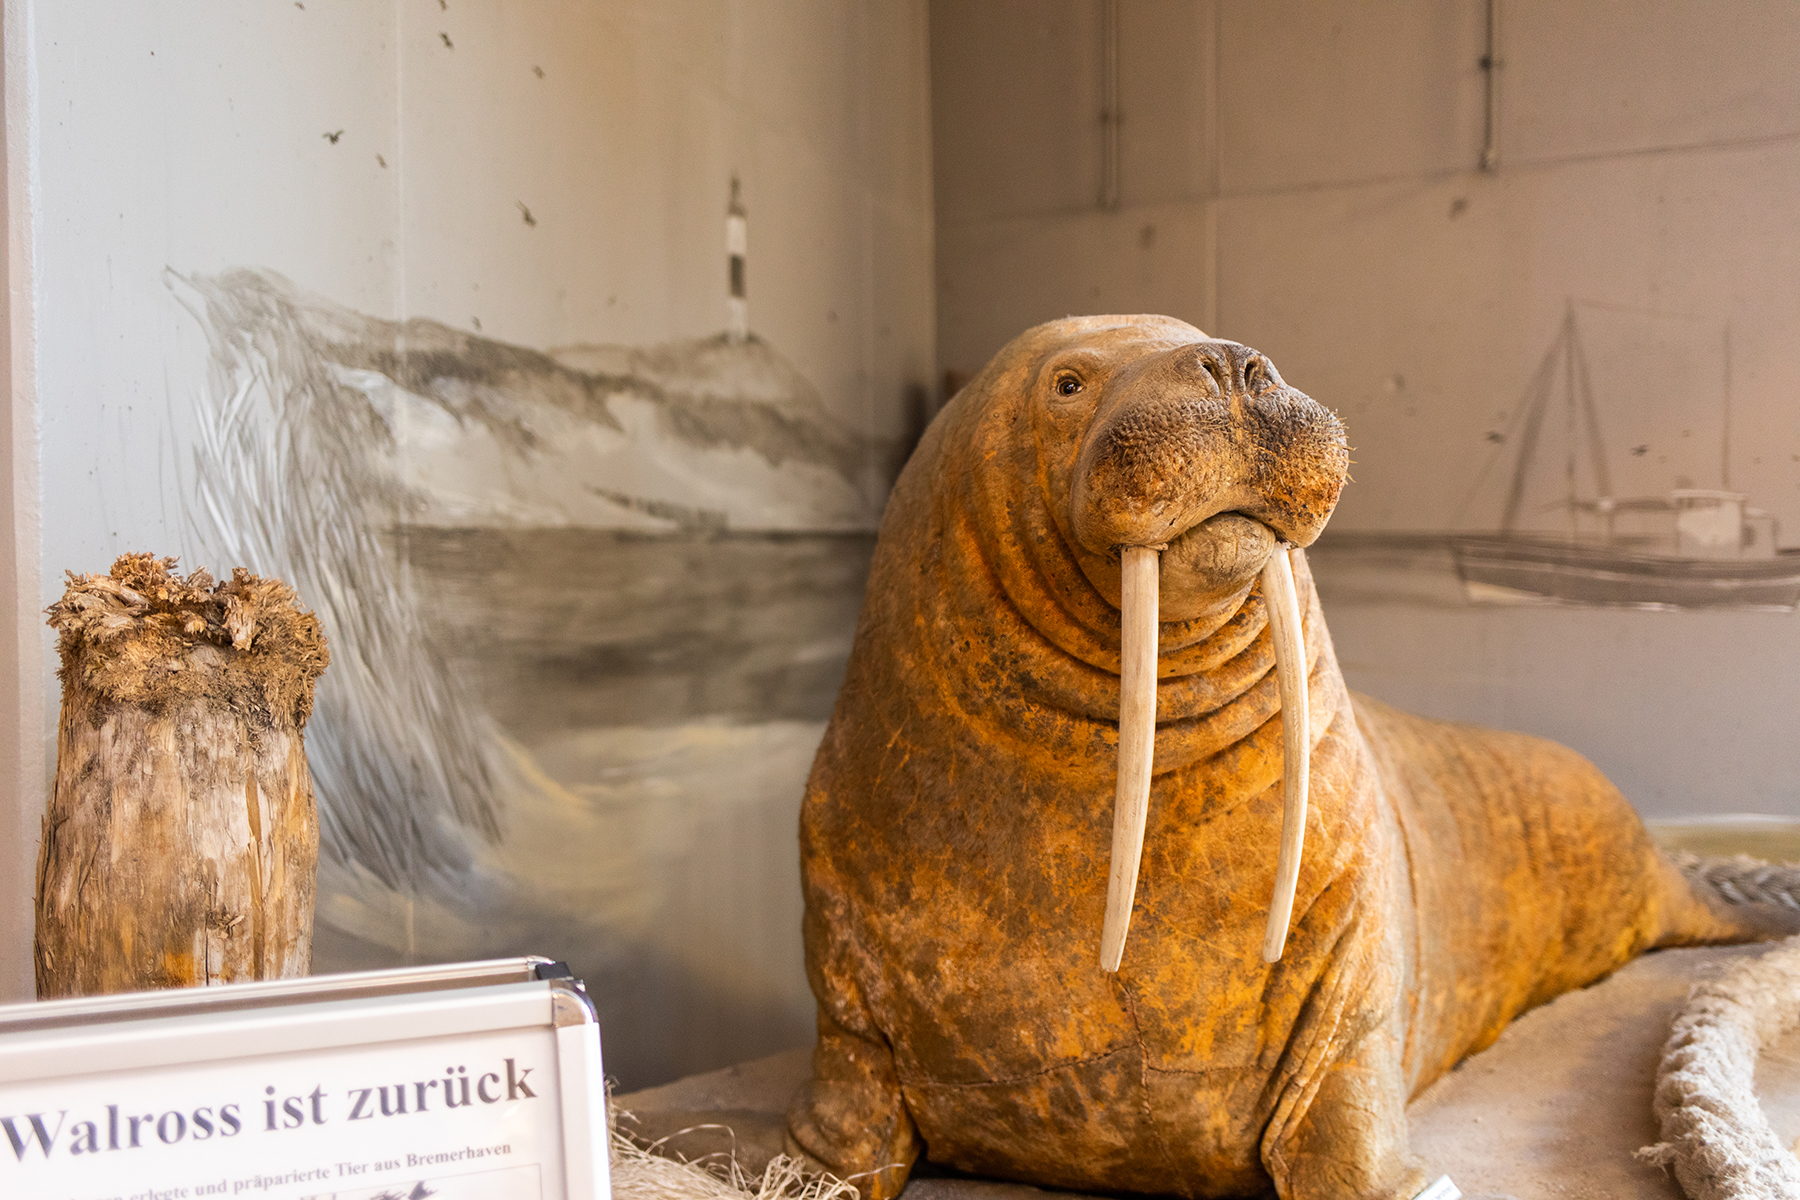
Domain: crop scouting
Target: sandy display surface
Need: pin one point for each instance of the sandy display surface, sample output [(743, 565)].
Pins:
[(1554, 1109)]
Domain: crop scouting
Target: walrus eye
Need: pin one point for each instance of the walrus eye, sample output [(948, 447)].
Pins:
[(1067, 385)]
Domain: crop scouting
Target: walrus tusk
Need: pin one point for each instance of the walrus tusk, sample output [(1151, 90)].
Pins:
[(1290, 675), (1138, 569)]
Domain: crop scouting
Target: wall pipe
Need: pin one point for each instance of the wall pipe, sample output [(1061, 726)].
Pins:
[(1490, 64), (1110, 116)]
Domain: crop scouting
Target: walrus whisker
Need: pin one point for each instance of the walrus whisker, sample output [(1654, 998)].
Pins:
[(1138, 582), (1290, 675)]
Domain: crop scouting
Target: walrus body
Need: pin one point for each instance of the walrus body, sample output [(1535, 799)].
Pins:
[(956, 826)]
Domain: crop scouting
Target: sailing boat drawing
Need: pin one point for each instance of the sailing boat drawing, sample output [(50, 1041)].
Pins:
[(1688, 548)]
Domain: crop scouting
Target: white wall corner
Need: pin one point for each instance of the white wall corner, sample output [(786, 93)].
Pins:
[(23, 752)]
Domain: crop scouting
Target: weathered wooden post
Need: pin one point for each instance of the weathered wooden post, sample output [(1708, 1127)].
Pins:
[(181, 843)]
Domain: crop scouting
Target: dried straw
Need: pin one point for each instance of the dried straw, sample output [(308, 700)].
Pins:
[(639, 1173)]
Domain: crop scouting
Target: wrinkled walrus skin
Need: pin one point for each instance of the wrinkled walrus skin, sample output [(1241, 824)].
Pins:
[(956, 826)]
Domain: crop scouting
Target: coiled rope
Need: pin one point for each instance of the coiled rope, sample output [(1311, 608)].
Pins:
[(1716, 1137), (1741, 879)]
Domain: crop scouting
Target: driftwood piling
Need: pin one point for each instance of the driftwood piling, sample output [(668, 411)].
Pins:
[(180, 845)]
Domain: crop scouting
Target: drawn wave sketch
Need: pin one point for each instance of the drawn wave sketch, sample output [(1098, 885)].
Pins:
[(588, 612)]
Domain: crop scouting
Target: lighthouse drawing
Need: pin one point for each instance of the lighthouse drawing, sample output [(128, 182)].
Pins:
[(737, 237)]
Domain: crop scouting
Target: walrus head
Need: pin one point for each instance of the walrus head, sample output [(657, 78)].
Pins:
[(1193, 467), (1192, 444)]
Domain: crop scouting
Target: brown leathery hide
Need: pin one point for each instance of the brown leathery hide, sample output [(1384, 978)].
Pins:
[(955, 830), (180, 844)]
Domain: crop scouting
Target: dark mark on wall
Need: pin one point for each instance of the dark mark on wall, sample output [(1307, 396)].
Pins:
[(529, 219), (538, 71), (381, 160), (448, 44), (476, 321), (333, 137)]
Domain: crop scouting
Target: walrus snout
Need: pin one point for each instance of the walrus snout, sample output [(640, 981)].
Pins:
[(1200, 430), (1220, 555), (1197, 464)]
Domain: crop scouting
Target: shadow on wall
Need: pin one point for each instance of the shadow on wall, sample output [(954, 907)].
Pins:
[(588, 609)]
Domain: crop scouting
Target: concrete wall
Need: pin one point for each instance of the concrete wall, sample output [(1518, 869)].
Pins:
[(207, 148), (1016, 89), (1303, 178), (512, 179)]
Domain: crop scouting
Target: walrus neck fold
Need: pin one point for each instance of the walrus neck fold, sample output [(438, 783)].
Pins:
[(1137, 743)]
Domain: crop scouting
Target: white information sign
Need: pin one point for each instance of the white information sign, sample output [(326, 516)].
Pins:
[(487, 1092)]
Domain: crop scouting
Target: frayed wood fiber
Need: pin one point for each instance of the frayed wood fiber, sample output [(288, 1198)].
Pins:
[(180, 844), (144, 636), (1716, 1137)]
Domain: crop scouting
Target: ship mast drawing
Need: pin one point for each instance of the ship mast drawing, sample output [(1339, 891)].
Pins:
[(1689, 548)]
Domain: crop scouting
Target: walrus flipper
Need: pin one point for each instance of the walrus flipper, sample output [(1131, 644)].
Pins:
[(850, 1119), (1349, 1142), (1338, 1129)]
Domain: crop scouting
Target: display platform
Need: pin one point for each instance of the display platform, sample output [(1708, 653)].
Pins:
[(1554, 1109)]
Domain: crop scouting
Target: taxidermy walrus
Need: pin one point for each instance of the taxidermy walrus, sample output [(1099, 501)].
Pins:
[(960, 822)]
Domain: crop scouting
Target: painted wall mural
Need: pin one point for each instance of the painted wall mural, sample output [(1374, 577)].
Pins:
[(588, 611), (1615, 486), (1608, 484)]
